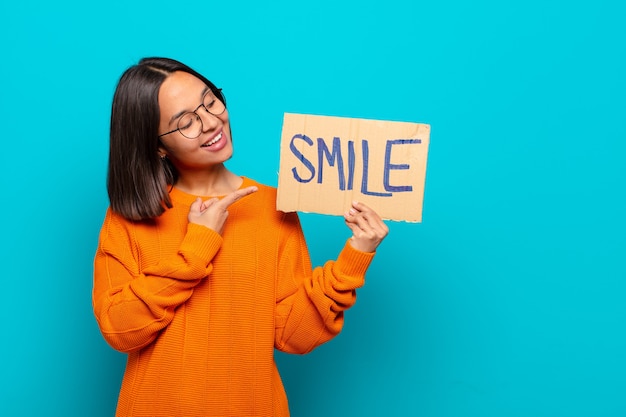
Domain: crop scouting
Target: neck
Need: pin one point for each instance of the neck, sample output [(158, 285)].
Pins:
[(216, 181)]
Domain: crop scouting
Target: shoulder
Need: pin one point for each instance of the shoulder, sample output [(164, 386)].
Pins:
[(116, 230), (263, 188), (265, 198), (115, 224), (266, 193)]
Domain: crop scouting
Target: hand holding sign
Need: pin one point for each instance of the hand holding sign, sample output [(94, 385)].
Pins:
[(368, 229)]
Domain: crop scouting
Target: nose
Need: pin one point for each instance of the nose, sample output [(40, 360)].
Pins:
[(209, 120)]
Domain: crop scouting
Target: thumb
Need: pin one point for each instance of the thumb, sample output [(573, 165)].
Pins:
[(208, 203), (196, 207)]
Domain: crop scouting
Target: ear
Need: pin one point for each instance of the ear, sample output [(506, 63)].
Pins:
[(162, 152)]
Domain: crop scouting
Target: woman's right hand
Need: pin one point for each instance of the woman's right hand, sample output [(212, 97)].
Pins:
[(213, 212)]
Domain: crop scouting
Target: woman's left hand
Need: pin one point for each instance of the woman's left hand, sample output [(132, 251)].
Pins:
[(368, 229)]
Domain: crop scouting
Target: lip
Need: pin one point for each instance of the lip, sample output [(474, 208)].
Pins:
[(220, 136)]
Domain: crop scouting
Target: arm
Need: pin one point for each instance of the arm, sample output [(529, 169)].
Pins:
[(311, 303), (312, 312), (133, 304)]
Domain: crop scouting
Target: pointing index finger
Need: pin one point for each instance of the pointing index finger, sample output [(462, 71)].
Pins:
[(236, 196)]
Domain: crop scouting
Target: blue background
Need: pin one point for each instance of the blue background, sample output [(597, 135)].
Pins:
[(508, 300)]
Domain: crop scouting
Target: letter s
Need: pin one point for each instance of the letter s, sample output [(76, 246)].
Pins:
[(301, 157)]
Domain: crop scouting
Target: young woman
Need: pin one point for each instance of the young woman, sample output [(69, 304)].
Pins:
[(197, 276)]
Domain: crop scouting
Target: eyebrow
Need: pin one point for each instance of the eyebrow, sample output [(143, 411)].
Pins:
[(180, 113)]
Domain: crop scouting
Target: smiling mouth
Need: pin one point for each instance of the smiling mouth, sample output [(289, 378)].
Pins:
[(213, 141)]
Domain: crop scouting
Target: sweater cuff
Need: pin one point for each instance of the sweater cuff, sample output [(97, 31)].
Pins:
[(352, 262), (201, 241)]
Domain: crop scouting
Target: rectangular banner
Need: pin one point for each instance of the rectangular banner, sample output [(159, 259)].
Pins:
[(327, 162)]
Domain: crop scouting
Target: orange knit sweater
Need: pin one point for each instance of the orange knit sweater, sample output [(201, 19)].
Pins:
[(200, 314)]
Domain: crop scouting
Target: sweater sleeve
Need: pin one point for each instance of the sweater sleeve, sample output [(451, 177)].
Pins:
[(311, 302), (132, 304)]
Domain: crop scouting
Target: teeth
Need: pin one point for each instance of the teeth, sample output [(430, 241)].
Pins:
[(217, 138)]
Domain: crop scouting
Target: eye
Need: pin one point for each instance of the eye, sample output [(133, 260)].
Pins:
[(186, 121), (209, 101)]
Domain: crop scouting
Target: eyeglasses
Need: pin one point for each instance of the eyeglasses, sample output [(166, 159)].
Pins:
[(190, 123)]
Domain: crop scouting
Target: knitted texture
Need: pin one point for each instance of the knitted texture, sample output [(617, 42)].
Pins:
[(200, 314)]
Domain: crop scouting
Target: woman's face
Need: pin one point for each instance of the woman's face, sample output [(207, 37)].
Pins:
[(182, 93)]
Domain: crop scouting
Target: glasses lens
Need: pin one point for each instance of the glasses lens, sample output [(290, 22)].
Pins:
[(190, 125), (213, 104)]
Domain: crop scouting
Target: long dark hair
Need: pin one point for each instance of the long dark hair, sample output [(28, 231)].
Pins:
[(138, 179)]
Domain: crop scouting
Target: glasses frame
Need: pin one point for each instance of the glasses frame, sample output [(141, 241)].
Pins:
[(219, 96)]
